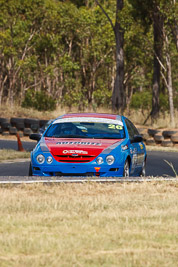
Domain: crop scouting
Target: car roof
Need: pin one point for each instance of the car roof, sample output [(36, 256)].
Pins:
[(92, 115)]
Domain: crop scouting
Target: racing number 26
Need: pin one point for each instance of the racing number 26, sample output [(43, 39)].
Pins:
[(113, 126)]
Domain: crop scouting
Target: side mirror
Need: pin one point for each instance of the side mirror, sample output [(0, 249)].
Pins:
[(35, 136), (137, 139)]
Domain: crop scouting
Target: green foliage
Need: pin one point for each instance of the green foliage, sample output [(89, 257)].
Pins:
[(69, 48), (39, 100), (141, 100), (164, 102)]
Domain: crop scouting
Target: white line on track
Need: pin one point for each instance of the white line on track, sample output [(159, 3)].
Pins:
[(68, 180)]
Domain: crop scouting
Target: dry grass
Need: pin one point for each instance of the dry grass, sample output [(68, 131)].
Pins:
[(10, 154), (89, 225), (161, 148), (137, 116)]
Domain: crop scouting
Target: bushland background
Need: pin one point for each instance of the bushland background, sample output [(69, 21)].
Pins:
[(66, 55)]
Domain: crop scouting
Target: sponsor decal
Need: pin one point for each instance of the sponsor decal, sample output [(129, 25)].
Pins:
[(90, 120), (74, 152), (78, 143), (141, 145)]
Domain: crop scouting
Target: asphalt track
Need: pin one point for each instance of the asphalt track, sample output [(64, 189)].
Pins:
[(156, 165)]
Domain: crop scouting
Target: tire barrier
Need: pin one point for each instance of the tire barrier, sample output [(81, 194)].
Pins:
[(3, 120), (42, 122), (27, 131), (150, 142), (168, 134), (152, 132), (167, 143), (23, 126), (5, 126), (15, 121), (20, 126), (12, 130), (158, 138), (174, 138), (29, 122)]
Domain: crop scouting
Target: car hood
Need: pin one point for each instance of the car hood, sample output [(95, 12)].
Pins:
[(84, 150)]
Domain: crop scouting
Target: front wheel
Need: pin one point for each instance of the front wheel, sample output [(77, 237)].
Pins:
[(30, 170), (126, 172)]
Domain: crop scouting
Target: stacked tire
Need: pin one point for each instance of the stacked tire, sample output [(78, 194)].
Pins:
[(24, 126), (4, 126), (17, 125), (174, 139), (31, 126), (168, 138), (169, 141), (151, 133)]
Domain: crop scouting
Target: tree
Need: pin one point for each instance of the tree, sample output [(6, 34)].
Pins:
[(118, 95)]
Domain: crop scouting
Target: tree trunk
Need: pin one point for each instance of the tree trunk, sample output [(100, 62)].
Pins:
[(169, 82), (170, 90), (158, 32), (118, 96)]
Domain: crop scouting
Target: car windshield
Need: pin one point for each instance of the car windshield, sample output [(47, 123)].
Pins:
[(79, 129)]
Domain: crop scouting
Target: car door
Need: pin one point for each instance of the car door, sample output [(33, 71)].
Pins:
[(136, 149)]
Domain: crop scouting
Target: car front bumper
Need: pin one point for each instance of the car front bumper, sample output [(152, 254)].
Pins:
[(79, 169)]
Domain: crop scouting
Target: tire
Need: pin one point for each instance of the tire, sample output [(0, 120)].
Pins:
[(174, 138), (20, 126), (5, 133), (27, 132), (158, 138), (150, 142), (15, 121), (143, 171), (35, 128), (167, 143), (29, 122), (152, 132), (126, 172), (30, 170), (12, 130), (3, 120), (42, 122), (5, 126), (168, 134)]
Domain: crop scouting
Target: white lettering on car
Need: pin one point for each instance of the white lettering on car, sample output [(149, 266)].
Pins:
[(75, 152)]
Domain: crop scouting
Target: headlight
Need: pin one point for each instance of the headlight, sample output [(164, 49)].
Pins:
[(40, 158), (49, 160), (110, 159), (99, 160)]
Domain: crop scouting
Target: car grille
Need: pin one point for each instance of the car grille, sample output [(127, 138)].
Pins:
[(74, 159)]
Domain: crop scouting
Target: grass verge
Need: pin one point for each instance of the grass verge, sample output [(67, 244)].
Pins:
[(164, 149), (10, 154), (89, 225)]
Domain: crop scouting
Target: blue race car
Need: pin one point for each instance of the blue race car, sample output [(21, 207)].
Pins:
[(89, 144)]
